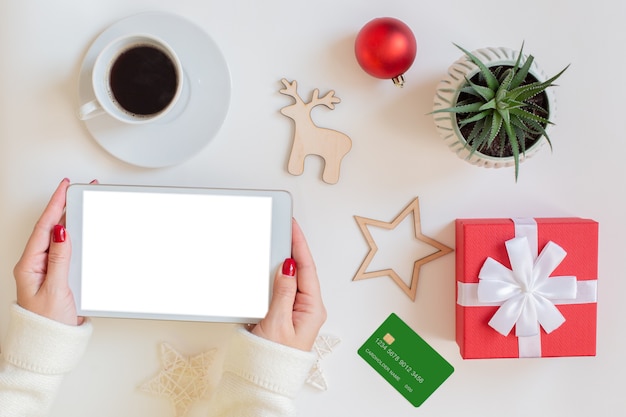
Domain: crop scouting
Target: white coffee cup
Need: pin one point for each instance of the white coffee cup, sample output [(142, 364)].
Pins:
[(136, 78)]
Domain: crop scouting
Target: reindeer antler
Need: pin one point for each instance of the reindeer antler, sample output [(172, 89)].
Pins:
[(291, 89), (328, 100)]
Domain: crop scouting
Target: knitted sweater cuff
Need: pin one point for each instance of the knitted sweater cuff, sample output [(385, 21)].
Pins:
[(275, 367), (41, 345)]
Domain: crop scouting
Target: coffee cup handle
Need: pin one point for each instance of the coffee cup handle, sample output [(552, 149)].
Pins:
[(89, 110)]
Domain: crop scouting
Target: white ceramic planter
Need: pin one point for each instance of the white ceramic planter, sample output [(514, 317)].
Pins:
[(448, 92)]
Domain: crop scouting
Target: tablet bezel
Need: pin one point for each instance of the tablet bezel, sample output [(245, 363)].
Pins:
[(280, 248)]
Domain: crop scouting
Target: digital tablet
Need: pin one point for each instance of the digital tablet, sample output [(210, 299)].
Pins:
[(171, 253)]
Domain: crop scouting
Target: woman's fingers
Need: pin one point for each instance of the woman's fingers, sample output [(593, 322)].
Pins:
[(308, 282), (284, 293), (58, 259), (52, 215)]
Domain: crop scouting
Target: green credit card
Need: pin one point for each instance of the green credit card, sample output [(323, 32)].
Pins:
[(405, 360)]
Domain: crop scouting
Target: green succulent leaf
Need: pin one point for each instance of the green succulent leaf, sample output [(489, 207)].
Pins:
[(469, 90), (506, 116), (476, 137), (526, 126), (475, 118), (491, 104), (538, 109), (538, 127), (523, 114), (525, 92), (496, 125), (485, 92), (465, 108), (519, 57), (505, 85), (522, 73), (491, 80), (514, 146)]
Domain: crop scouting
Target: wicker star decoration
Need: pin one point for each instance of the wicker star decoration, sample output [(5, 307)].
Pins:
[(182, 379), (324, 345), (412, 208)]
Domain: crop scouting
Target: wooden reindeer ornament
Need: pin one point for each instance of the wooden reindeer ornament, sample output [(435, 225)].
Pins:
[(309, 139)]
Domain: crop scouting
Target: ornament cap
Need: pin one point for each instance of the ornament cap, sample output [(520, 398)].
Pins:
[(398, 81)]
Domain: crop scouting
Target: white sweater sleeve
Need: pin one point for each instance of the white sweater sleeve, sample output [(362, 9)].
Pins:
[(36, 354), (261, 378)]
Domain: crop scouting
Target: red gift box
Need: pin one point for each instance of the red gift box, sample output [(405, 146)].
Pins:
[(480, 239)]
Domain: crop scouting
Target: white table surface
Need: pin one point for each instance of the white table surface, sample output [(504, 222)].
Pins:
[(396, 157)]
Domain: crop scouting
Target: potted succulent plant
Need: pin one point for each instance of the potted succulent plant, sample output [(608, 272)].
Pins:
[(494, 107)]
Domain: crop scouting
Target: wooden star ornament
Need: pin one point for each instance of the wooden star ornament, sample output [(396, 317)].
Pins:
[(182, 379), (412, 208)]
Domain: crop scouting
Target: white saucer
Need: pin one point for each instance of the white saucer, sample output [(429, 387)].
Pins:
[(197, 116)]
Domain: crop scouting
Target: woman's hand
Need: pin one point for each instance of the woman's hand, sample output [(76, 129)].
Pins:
[(296, 312), (42, 272)]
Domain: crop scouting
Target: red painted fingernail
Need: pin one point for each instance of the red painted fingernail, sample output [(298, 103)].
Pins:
[(58, 234), (289, 267)]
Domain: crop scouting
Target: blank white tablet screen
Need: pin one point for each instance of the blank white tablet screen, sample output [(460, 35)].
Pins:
[(182, 254)]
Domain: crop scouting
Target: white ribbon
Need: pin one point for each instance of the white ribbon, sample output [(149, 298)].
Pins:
[(525, 291)]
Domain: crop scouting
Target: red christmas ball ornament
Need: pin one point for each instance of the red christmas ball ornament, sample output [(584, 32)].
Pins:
[(385, 48)]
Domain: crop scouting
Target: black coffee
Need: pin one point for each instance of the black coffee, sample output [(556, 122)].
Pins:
[(143, 80)]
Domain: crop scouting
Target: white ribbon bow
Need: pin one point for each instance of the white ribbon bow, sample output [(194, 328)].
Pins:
[(526, 290)]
